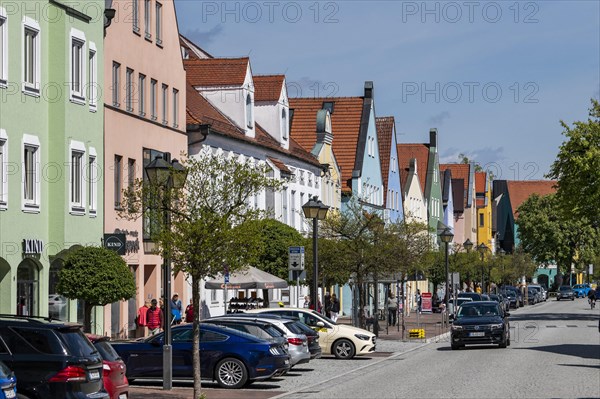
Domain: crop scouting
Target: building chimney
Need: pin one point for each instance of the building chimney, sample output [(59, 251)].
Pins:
[(369, 89), (433, 137)]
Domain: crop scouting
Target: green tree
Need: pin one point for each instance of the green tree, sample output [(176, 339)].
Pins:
[(577, 168), (210, 223), (96, 276)]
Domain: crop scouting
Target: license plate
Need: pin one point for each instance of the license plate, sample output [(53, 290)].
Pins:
[(123, 396), (94, 375), (477, 334), (9, 393)]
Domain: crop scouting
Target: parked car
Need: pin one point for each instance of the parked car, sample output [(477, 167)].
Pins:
[(581, 290), (296, 343), (473, 295), (459, 301), (512, 297), (56, 305), (480, 323), (230, 357), (503, 301), (51, 359), (113, 368), (340, 340), (517, 293), (8, 383), (565, 292), (543, 292)]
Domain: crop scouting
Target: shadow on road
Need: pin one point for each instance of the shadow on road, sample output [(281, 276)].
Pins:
[(581, 365), (554, 317), (473, 347), (272, 384), (584, 351)]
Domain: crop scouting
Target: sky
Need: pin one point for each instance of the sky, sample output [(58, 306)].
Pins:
[(494, 78)]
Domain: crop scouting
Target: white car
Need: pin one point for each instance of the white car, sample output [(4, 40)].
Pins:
[(459, 301), (340, 340)]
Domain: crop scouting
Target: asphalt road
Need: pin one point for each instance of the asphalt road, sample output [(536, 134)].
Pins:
[(554, 353)]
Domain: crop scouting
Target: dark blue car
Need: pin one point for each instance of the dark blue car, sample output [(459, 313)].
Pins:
[(8, 383), (230, 357)]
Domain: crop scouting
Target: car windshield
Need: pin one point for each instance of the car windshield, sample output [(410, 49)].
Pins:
[(482, 310), (77, 342), (565, 288), (327, 319), (106, 351)]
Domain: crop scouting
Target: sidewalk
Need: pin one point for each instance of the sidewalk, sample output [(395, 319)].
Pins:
[(180, 392), (430, 322)]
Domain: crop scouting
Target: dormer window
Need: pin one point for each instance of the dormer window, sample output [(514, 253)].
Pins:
[(284, 124), (249, 116)]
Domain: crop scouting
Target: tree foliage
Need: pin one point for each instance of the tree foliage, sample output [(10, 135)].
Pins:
[(210, 227), (577, 168), (97, 276)]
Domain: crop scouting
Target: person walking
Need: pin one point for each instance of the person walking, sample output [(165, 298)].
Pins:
[(334, 310), (419, 299), (306, 301), (392, 306), (327, 304), (189, 312), (140, 320), (154, 318), (176, 309)]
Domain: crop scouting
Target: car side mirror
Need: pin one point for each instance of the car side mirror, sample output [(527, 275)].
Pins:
[(320, 324)]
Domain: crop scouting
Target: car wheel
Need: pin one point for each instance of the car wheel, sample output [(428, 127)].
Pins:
[(343, 349), (231, 373), (572, 298), (557, 298)]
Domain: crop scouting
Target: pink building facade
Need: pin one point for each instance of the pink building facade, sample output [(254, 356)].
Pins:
[(145, 116)]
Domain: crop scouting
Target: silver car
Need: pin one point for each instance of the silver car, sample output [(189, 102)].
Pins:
[(298, 343)]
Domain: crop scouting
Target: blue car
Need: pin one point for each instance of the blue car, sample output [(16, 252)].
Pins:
[(581, 290), (230, 357), (8, 383)]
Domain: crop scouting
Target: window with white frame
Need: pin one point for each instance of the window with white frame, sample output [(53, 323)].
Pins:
[(142, 95), (165, 108), (76, 181), (147, 18), (310, 178), (284, 124), (135, 15), (31, 56), (31, 173), (153, 94), (3, 169), (77, 58), (129, 89), (158, 18), (93, 79), (116, 83), (92, 180), (3, 48), (175, 108), (249, 113)]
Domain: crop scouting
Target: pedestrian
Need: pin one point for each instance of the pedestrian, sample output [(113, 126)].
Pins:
[(392, 306), (176, 309), (189, 312), (306, 301), (334, 308), (327, 304), (140, 319), (154, 318), (419, 301)]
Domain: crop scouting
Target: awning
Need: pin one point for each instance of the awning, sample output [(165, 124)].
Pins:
[(250, 278)]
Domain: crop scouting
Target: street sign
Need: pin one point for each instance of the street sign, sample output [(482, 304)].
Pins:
[(115, 242), (296, 258), (426, 302), (226, 278)]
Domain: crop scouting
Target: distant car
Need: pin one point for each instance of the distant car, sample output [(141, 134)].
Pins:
[(581, 290), (473, 295), (8, 383), (340, 340), (56, 305), (533, 296), (51, 359), (542, 290), (480, 323), (513, 299), (113, 368), (230, 357), (565, 292), (504, 302)]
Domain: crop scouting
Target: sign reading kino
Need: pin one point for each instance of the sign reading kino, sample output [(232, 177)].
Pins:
[(32, 247)]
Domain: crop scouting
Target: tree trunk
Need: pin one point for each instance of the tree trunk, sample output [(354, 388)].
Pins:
[(266, 302), (196, 291), (361, 303), (87, 317)]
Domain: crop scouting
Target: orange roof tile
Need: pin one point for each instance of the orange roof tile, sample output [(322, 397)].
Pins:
[(405, 153), (267, 87), (385, 129), (519, 191), (345, 125), (216, 71), (480, 182), (459, 171), (280, 165)]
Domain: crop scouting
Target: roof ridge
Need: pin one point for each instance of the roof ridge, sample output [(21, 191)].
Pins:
[(327, 98)]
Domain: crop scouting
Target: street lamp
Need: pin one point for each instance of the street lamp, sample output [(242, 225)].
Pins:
[(446, 236), (482, 248), (314, 209), (166, 175)]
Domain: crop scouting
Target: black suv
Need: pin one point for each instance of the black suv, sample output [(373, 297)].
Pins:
[(51, 359)]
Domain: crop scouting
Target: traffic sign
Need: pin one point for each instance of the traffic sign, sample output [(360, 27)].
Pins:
[(296, 258), (226, 278)]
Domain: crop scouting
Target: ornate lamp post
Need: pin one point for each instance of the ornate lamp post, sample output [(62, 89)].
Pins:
[(482, 248), (168, 176), (314, 209), (446, 236)]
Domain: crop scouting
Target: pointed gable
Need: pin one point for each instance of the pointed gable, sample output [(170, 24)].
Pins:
[(420, 152), (189, 51), (385, 130), (460, 171), (216, 72), (519, 191), (346, 125), (268, 87)]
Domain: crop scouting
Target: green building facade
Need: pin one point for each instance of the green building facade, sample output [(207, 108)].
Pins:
[(51, 148)]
